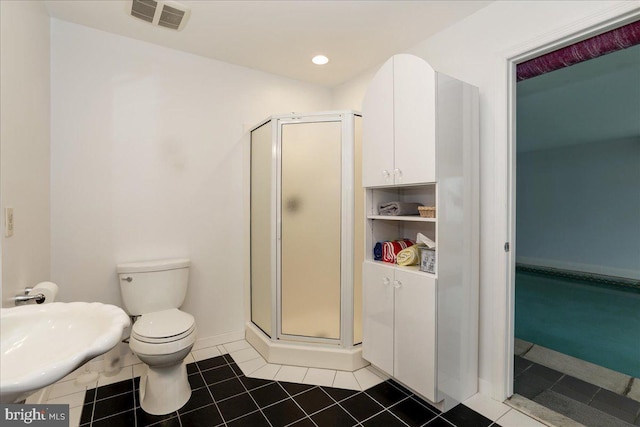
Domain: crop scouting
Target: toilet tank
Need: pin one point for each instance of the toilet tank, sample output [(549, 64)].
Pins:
[(153, 285)]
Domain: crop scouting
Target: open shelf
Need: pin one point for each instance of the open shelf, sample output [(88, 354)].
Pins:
[(401, 218), (412, 268)]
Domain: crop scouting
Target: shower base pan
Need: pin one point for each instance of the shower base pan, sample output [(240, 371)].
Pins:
[(309, 355)]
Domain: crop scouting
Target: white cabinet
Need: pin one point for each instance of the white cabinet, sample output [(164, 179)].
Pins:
[(378, 315), (420, 144), (399, 316), (400, 106)]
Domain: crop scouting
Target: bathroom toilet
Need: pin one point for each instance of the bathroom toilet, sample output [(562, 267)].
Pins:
[(162, 335)]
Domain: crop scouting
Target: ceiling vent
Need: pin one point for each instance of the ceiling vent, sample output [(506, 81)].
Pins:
[(166, 14)]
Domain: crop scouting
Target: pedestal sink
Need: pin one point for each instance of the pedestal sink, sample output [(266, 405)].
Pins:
[(40, 344)]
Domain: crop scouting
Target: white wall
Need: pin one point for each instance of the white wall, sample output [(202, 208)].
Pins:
[(578, 207), (147, 163), (473, 50), (24, 144)]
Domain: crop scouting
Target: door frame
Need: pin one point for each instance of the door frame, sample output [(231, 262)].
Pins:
[(346, 118), (505, 168)]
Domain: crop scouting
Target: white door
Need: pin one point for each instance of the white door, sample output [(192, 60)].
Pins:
[(414, 120), (377, 132), (377, 315), (415, 332)]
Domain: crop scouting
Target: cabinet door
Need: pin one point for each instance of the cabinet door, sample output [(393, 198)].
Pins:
[(377, 132), (415, 332), (377, 315), (414, 120)]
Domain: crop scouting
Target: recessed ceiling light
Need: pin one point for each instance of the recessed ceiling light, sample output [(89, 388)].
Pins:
[(320, 60)]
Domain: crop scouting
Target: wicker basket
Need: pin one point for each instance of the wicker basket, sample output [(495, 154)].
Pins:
[(427, 211)]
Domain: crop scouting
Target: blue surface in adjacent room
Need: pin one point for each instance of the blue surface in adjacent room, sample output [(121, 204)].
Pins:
[(593, 322)]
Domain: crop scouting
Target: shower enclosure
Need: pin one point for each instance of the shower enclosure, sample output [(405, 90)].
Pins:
[(305, 198)]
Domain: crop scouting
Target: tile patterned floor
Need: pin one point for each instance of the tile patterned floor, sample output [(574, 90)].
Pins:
[(223, 396), (233, 386), (579, 400)]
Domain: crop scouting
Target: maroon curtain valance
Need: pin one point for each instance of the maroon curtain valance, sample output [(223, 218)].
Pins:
[(611, 41)]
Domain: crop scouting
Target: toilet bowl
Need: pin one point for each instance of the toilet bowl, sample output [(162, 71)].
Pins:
[(162, 335), (162, 340)]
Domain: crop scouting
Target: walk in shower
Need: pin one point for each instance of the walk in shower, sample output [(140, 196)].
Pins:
[(306, 213)]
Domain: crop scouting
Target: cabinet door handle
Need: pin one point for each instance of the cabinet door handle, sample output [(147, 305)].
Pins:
[(397, 284), (386, 175), (386, 281), (397, 173)]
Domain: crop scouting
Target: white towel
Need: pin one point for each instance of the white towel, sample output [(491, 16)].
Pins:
[(398, 208), (421, 239)]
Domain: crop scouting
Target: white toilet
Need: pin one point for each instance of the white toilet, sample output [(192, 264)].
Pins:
[(163, 335)]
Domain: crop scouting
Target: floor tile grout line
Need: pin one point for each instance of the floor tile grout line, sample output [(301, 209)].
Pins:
[(210, 394), (243, 415), (249, 373), (93, 406), (380, 412), (443, 419), (301, 408), (246, 389), (594, 396), (380, 403), (359, 385), (335, 376), (344, 409), (526, 351), (503, 415), (435, 415), (114, 414), (319, 410), (133, 385), (336, 402)]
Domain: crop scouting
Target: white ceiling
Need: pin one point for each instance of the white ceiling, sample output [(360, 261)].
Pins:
[(281, 37), (595, 100)]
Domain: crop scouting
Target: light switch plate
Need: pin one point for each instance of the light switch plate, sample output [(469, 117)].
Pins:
[(8, 222)]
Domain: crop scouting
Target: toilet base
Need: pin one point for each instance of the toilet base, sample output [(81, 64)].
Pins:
[(164, 389)]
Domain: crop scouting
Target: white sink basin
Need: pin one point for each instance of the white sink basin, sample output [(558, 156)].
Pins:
[(40, 344)]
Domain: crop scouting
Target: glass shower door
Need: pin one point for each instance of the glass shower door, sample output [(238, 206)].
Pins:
[(311, 179)]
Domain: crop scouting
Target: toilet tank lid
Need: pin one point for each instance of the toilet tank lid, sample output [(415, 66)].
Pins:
[(148, 266)]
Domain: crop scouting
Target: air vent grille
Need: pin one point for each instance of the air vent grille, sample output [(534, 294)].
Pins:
[(144, 9), (168, 14), (171, 17)]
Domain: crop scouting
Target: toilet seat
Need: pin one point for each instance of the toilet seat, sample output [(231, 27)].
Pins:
[(162, 340), (163, 326), (163, 332)]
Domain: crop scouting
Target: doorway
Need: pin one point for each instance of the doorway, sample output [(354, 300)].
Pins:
[(573, 273)]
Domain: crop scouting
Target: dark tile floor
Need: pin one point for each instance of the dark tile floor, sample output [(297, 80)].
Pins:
[(223, 396), (586, 403)]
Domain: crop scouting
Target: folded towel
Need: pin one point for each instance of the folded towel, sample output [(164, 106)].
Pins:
[(390, 249), (409, 256), (377, 251), (421, 239), (398, 208)]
